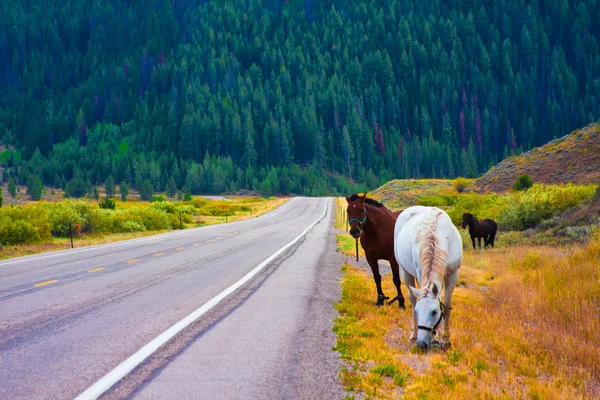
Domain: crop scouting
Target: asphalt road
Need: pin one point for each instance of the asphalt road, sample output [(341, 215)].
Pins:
[(258, 314)]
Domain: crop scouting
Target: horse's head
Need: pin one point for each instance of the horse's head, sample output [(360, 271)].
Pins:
[(428, 314), (467, 219), (357, 214)]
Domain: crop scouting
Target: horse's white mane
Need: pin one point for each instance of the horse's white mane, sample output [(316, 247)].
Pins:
[(433, 258)]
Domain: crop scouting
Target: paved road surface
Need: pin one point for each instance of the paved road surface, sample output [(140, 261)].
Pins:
[(68, 318)]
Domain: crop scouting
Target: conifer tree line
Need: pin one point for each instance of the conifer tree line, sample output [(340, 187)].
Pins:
[(306, 97)]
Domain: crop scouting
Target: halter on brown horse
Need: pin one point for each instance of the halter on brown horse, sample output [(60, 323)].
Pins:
[(374, 224)]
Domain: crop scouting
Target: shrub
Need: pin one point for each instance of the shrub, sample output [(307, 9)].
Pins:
[(460, 184), (482, 206), (17, 232), (27, 224), (526, 209), (133, 226), (594, 199), (107, 204), (432, 201), (523, 183), (160, 198), (66, 215)]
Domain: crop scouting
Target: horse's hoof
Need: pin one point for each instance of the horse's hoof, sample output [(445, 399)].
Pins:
[(412, 341)]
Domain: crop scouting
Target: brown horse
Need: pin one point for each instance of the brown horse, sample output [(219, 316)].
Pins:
[(374, 224), (485, 229)]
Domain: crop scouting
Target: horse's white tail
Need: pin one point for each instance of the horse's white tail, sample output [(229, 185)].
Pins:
[(433, 258)]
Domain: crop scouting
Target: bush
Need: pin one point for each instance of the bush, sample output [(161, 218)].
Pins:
[(526, 209), (460, 184), (432, 201), (133, 226), (19, 225), (18, 232), (160, 198), (66, 215), (523, 183), (482, 206), (107, 204)]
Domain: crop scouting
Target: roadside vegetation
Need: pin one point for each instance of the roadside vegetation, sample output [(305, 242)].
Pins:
[(525, 313), (43, 226), (534, 215)]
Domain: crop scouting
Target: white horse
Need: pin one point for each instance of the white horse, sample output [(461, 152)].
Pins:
[(428, 247)]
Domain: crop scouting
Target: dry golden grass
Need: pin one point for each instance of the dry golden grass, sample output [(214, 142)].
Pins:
[(525, 325), (65, 244)]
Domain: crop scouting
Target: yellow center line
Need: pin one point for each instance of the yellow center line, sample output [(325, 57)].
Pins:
[(235, 233), (45, 283), (179, 249), (229, 234), (159, 254), (209, 240), (134, 260), (95, 269), (196, 244)]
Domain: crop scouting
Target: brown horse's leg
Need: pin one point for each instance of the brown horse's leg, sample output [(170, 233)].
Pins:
[(397, 283), (473, 240), (375, 268), (479, 242)]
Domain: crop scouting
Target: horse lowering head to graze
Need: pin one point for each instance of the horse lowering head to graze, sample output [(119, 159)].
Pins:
[(428, 248), (373, 223), (485, 229)]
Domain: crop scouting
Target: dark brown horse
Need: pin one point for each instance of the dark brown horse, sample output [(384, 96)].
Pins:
[(485, 229), (374, 224)]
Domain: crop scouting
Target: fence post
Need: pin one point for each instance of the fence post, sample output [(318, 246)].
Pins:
[(226, 214), (180, 221), (71, 233)]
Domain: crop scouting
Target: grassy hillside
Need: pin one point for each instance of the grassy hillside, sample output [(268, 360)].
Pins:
[(401, 193), (574, 158)]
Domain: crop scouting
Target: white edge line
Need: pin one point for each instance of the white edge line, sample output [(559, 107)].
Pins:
[(130, 241), (108, 380)]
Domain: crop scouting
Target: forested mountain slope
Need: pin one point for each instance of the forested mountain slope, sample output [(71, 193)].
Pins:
[(266, 94)]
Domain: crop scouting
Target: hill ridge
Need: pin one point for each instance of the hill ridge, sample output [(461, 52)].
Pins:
[(573, 158)]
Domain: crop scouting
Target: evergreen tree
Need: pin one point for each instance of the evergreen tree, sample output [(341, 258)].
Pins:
[(124, 189), (171, 187), (34, 188), (109, 186), (12, 188), (147, 190)]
